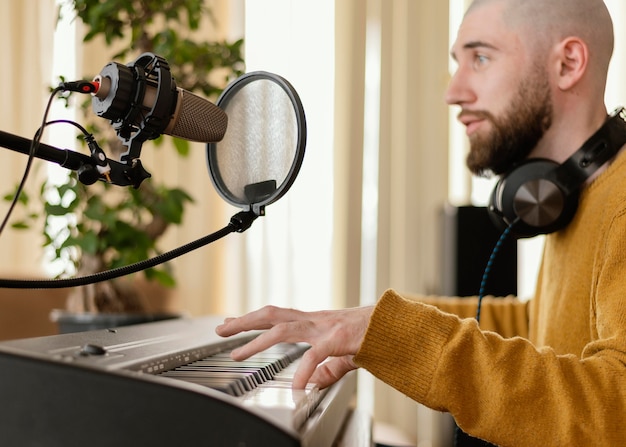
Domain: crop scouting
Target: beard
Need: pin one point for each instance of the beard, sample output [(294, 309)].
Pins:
[(514, 134)]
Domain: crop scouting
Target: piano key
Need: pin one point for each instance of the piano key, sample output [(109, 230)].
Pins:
[(287, 373), (244, 381), (268, 371), (282, 402), (253, 374), (225, 386), (272, 367)]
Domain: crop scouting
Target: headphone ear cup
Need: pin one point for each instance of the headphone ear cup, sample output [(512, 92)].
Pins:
[(530, 196)]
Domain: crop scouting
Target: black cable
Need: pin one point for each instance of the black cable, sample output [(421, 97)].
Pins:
[(31, 156), (73, 123)]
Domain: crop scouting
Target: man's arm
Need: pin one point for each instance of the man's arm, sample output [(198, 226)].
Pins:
[(506, 391), (508, 316)]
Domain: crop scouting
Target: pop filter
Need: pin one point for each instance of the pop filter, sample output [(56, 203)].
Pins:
[(260, 155)]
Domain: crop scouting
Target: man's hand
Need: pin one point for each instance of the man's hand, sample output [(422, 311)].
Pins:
[(334, 336)]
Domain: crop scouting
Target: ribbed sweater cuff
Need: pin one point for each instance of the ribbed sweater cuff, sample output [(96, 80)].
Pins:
[(404, 342)]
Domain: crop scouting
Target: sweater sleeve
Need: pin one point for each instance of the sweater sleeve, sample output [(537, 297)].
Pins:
[(508, 316), (503, 390)]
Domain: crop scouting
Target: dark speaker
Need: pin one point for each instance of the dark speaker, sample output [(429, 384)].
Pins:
[(468, 239)]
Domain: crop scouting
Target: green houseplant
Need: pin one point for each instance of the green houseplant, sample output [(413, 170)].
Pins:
[(109, 228)]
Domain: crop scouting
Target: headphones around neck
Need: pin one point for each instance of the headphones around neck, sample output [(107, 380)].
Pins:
[(540, 196)]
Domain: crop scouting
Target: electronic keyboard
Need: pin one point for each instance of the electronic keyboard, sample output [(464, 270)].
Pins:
[(167, 383)]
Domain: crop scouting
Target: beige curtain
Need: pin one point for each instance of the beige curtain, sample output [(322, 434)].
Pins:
[(389, 71), (413, 161), (26, 28)]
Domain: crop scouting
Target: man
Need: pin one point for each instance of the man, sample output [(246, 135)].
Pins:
[(530, 83)]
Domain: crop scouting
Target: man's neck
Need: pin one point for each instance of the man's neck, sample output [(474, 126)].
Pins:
[(567, 134)]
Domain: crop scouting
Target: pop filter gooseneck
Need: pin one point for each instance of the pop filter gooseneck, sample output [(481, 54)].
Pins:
[(254, 165)]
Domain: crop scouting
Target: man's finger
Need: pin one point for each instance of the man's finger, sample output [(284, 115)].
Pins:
[(308, 363), (331, 371), (291, 332), (264, 318)]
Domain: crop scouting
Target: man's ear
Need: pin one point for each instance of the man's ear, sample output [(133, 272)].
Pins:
[(573, 58)]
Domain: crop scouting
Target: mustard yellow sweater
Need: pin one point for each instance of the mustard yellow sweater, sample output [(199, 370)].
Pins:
[(554, 373)]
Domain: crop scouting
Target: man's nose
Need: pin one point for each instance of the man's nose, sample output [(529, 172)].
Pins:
[(459, 91)]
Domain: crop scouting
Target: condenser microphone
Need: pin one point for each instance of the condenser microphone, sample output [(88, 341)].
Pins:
[(142, 102)]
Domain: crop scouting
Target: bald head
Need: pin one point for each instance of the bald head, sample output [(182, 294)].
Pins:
[(543, 23)]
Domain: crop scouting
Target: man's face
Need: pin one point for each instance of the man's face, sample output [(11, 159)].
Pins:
[(504, 96)]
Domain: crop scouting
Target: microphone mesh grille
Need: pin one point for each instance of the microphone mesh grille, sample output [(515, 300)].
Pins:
[(199, 120)]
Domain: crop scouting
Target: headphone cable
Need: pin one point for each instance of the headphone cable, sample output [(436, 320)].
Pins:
[(492, 257)]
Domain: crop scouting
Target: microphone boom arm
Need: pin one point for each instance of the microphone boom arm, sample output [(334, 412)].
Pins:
[(121, 174)]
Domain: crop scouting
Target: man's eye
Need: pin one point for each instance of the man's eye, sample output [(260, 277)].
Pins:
[(480, 60)]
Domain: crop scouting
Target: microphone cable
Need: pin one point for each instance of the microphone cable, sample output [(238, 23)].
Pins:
[(34, 146)]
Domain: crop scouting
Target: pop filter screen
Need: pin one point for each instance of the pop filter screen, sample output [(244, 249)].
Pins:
[(262, 150)]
